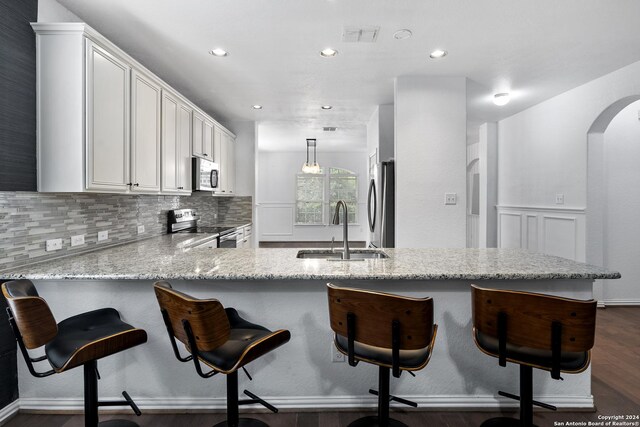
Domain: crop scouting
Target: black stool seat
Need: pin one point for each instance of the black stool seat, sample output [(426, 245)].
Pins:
[(569, 361), (243, 336), (91, 336), (409, 359)]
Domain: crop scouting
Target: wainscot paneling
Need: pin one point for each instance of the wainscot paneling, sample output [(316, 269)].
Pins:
[(276, 220), (550, 230)]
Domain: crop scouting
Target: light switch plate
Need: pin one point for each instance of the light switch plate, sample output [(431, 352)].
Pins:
[(140, 229), (450, 198), (77, 240), (103, 235), (559, 199), (53, 245)]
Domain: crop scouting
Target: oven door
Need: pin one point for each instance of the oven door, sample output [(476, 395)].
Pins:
[(229, 240)]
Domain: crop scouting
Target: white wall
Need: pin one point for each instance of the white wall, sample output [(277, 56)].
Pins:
[(430, 152), (622, 205), (52, 11), (276, 196), (542, 151)]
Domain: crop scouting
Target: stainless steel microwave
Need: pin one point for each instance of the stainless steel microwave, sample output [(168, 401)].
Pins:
[(204, 174)]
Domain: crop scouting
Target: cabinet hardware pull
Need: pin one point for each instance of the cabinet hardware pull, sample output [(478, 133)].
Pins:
[(180, 188), (206, 155), (130, 184), (136, 185)]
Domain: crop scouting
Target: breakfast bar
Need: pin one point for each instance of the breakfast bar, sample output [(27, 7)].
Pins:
[(281, 290)]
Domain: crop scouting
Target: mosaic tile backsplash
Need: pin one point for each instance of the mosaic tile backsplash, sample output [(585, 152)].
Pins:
[(29, 219)]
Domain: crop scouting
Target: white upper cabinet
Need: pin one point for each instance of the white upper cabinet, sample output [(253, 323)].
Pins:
[(176, 145), (145, 133), (107, 121), (107, 124), (224, 154)]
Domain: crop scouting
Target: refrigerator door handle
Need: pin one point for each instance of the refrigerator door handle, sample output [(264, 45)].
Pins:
[(372, 192), (383, 206)]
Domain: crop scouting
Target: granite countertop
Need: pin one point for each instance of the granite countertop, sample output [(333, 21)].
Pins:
[(169, 257)]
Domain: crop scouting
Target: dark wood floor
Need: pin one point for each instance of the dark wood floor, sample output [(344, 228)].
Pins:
[(615, 385)]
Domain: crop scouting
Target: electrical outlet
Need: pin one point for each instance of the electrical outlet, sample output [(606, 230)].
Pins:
[(215, 215), (103, 235), (140, 229), (77, 240), (336, 356), (53, 245), (559, 199), (450, 198)]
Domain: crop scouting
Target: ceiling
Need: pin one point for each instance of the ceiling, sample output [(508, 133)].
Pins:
[(533, 49)]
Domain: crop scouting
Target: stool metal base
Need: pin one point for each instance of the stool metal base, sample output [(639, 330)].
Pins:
[(372, 421), (117, 423), (244, 422), (503, 422)]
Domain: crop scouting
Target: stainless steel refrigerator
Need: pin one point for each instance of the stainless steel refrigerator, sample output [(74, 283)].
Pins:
[(380, 205)]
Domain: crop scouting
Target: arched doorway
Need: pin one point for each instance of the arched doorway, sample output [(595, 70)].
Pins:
[(597, 188)]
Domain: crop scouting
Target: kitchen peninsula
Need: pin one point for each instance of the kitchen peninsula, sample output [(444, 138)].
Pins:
[(282, 291)]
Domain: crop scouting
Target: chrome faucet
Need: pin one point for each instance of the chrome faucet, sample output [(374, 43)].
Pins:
[(345, 226)]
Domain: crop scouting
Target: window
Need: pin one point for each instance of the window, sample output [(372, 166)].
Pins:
[(316, 201), (343, 185)]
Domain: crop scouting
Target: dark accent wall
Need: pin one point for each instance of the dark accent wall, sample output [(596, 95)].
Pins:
[(17, 141), (17, 95)]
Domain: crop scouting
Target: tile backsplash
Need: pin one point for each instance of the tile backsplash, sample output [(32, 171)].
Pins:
[(29, 219)]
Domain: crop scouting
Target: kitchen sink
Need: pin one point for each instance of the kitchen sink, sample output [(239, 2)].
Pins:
[(327, 254)]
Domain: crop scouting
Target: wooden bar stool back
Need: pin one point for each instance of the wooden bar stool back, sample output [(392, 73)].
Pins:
[(77, 341), (394, 332), (535, 331), (219, 338)]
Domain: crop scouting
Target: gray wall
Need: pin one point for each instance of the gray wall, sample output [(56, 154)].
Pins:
[(17, 95), (17, 141)]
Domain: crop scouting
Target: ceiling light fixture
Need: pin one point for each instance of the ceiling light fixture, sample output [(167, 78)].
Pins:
[(437, 54), (218, 52), (311, 167), (326, 107), (257, 107), (328, 52), (402, 34), (501, 99)]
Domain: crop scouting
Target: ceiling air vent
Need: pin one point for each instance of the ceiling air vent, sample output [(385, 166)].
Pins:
[(329, 128), (354, 34)]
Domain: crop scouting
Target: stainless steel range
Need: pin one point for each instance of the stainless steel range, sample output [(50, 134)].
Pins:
[(186, 221)]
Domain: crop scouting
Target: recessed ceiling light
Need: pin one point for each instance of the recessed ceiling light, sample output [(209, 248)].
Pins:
[(326, 107), (501, 99), (402, 34), (257, 107), (328, 52), (438, 53), (218, 52)]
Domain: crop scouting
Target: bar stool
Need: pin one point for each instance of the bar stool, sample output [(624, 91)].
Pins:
[(390, 331), (77, 341), (219, 338), (535, 331)]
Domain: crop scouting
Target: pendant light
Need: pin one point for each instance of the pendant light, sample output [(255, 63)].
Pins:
[(311, 167)]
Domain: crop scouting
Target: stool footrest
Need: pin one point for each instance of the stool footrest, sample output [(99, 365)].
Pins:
[(535, 402), (256, 399), (128, 401), (396, 399)]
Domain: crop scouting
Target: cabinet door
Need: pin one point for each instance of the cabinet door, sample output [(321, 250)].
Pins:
[(231, 165), (170, 143), (198, 134), (184, 150), (207, 139), (224, 178), (107, 99), (145, 134)]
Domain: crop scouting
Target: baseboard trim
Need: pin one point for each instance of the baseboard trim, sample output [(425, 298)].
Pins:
[(620, 302), (9, 411), (188, 404)]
